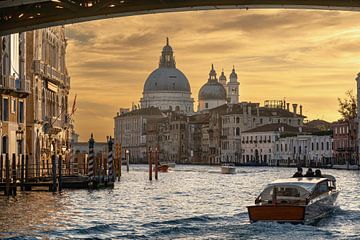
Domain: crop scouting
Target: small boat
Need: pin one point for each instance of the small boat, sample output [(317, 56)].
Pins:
[(170, 164), (162, 168), (228, 169), (296, 200)]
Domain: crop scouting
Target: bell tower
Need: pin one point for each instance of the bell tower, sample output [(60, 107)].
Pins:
[(233, 88)]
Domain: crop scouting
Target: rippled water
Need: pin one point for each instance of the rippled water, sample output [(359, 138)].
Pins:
[(190, 202)]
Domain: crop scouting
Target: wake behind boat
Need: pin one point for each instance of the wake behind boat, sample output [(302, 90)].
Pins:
[(298, 200)]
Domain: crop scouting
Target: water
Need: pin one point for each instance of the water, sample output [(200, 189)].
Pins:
[(193, 202)]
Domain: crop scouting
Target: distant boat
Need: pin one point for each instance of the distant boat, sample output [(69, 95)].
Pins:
[(296, 200), (170, 164), (228, 168), (162, 168)]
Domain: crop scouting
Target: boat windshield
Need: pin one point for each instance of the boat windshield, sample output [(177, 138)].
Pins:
[(284, 194)]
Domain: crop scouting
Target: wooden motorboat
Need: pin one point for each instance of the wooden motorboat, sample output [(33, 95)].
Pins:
[(297, 200), (170, 164), (228, 169), (162, 168)]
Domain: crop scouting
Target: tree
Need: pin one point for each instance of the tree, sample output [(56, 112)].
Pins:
[(347, 106), (348, 112)]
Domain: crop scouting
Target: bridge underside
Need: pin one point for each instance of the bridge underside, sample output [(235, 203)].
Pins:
[(24, 15)]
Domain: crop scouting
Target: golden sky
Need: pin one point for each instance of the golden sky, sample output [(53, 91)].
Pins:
[(307, 57)]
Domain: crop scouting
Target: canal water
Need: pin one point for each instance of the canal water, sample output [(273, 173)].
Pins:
[(191, 202)]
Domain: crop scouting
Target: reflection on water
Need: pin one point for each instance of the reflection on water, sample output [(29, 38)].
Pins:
[(190, 202)]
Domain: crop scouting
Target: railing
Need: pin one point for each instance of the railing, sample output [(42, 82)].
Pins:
[(7, 82), (48, 71)]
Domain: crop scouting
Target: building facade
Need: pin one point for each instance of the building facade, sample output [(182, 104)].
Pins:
[(48, 127), (345, 142), (14, 89)]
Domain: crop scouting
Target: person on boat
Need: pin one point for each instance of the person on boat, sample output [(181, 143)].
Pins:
[(298, 173), (309, 173), (318, 173)]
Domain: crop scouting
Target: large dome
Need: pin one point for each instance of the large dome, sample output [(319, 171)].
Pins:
[(212, 91), (167, 79)]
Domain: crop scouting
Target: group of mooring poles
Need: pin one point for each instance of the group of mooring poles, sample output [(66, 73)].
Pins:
[(11, 172), (103, 177), (153, 156)]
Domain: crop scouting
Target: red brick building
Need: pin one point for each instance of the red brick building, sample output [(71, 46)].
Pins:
[(345, 148)]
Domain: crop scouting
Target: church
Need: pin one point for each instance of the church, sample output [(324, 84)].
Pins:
[(216, 92), (167, 88)]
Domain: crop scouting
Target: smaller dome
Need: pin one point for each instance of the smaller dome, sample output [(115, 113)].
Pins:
[(222, 77), (212, 90)]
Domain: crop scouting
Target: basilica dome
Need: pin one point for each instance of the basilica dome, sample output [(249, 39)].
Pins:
[(167, 79)]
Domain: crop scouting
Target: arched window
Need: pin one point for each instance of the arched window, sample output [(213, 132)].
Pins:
[(237, 131)]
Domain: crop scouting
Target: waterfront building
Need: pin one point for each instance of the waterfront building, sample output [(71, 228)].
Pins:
[(47, 126), (245, 116), (130, 131), (14, 88), (167, 88), (345, 140), (281, 144)]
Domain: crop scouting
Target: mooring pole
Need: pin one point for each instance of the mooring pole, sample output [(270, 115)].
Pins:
[(60, 173), (53, 158), (14, 174), (156, 164), (91, 158), (110, 160), (150, 164), (127, 160), (7, 175), (22, 171), (1, 167), (120, 161), (27, 168)]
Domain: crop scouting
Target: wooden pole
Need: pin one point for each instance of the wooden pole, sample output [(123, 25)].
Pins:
[(127, 160), (27, 168), (53, 158), (60, 173), (14, 174), (150, 165), (7, 175), (1, 167), (156, 164), (22, 173), (120, 161)]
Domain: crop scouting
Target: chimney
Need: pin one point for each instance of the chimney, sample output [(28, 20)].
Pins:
[(301, 110), (294, 108), (288, 106)]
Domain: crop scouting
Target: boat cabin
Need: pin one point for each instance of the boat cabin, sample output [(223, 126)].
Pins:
[(295, 191)]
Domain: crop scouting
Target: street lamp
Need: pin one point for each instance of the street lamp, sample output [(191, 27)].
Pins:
[(19, 138)]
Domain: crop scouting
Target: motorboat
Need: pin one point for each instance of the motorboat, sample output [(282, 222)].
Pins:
[(170, 164), (162, 168), (228, 168), (297, 200)]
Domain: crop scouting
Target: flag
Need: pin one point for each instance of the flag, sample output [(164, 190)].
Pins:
[(74, 106)]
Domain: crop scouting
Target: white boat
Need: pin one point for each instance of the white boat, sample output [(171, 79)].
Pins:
[(228, 169), (297, 200)]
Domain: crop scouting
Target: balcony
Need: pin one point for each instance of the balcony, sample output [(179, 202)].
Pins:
[(51, 73), (9, 83)]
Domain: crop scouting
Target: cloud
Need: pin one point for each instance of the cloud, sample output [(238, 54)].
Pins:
[(307, 56)]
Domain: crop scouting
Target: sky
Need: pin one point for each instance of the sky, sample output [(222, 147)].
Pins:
[(309, 57)]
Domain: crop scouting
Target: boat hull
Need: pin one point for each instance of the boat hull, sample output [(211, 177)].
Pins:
[(314, 211), (228, 170), (277, 213)]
